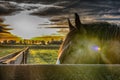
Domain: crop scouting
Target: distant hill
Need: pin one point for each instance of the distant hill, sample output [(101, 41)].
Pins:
[(5, 34)]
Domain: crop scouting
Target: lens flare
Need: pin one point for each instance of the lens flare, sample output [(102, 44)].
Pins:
[(96, 48)]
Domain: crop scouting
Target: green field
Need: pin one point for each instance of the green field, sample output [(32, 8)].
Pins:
[(6, 51), (42, 56)]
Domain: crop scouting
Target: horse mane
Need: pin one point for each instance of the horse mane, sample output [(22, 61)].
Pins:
[(101, 30)]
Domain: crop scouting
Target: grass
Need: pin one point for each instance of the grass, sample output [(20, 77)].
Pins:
[(6, 51), (43, 56)]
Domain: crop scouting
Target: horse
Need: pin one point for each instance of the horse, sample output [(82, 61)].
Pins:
[(90, 43)]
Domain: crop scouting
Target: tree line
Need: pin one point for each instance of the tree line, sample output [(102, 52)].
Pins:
[(31, 42)]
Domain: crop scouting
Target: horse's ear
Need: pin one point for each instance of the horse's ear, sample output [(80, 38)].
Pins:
[(71, 27), (78, 24), (77, 21)]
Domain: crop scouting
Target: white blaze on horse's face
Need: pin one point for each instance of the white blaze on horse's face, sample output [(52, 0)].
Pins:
[(58, 61)]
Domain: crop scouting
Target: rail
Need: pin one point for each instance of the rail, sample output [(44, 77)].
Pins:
[(19, 57), (60, 72)]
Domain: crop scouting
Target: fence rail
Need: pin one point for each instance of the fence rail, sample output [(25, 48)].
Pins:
[(19, 57), (60, 72)]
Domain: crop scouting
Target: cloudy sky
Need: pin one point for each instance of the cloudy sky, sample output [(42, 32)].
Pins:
[(105, 10), (54, 14)]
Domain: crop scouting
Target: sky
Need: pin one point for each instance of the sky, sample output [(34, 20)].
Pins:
[(107, 10), (27, 26)]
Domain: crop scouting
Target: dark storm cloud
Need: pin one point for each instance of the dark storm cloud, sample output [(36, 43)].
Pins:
[(96, 8), (7, 8), (88, 7), (109, 19), (50, 11)]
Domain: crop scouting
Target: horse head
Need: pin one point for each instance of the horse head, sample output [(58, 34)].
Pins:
[(93, 43)]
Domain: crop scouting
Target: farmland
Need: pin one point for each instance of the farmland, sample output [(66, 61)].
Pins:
[(36, 55), (42, 56), (6, 51)]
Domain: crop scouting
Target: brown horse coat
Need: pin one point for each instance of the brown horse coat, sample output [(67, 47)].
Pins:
[(94, 43)]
